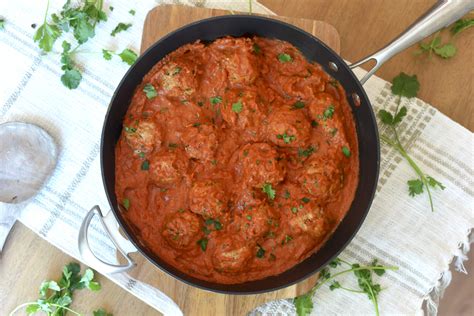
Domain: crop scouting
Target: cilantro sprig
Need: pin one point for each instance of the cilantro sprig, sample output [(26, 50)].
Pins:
[(407, 86), (363, 273), (80, 19), (56, 296)]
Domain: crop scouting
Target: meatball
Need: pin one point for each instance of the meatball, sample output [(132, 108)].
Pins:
[(143, 136), (308, 219), (200, 142), (176, 80), (182, 229), (167, 167), (238, 60), (258, 164), (288, 128), (242, 112), (208, 198), (321, 177), (256, 221), (231, 255)]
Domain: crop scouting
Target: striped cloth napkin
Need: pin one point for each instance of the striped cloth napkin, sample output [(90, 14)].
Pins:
[(399, 230)]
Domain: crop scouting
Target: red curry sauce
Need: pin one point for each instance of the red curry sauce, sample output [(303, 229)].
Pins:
[(237, 159)]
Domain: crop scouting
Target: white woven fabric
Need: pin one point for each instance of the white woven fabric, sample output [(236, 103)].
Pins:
[(399, 230)]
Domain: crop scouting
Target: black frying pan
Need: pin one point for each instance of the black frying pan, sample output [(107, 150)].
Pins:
[(314, 50)]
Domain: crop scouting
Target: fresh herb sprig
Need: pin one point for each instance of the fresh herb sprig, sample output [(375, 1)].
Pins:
[(56, 296), (81, 19), (363, 273), (407, 86)]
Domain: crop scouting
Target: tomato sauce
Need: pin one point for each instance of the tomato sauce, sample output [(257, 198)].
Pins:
[(237, 159)]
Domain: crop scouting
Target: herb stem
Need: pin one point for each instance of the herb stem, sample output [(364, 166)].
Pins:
[(317, 286), (351, 290)]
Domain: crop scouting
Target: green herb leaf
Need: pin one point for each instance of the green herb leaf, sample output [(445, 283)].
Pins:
[(120, 28), (305, 152), (71, 78), (334, 285), (237, 107), (260, 252), (286, 138), (150, 91), (203, 243), (145, 165), (445, 51), (303, 304), (298, 105), (346, 151), (305, 200), (461, 25), (101, 312), (415, 187), (267, 188), (126, 203), (2, 23), (434, 183), (215, 100), (386, 117), (132, 12), (284, 58), (329, 112), (399, 116), (286, 195), (335, 263), (405, 86), (128, 56), (107, 54), (256, 48), (46, 35), (83, 30)]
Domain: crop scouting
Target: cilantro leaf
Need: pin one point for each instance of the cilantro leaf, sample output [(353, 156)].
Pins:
[(203, 243), (461, 25), (434, 183), (386, 117), (405, 86), (305, 152), (46, 35), (286, 138), (145, 165), (237, 107), (101, 312), (150, 91), (303, 304), (329, 112), (260, 252), (298, 105), (48, 285), (71, 78), (215, 100), (83, 30), (256, 48), (132, 12), (107, 54), (120, 28), (445, 51), (267, 188), (334, 285), (284, 58), (2, 23), (128, 56), (346, 151), (415, 187), (399, 116), (126, 203)]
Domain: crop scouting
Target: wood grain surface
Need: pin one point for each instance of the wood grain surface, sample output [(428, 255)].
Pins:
[(364, 26)]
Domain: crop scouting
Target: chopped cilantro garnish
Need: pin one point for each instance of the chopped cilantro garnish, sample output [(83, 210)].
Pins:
[(284, 58), (256, 48), (203, 243), (132, 12), (294, 210), (305, 152), (346, 151), (145, 165), (150, 91), (286, 138), (305, 200), (176, 71), (126, 203), (120, 27), (287, 239), (260, 252), (249, 217), (215, 100), (200, 103), (286, 195), (267, 188), (314, 123), (329, 112), (237, 107), (298, 105)]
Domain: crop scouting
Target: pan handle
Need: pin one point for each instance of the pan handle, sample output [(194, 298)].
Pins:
[(110, 225), (440, 15)]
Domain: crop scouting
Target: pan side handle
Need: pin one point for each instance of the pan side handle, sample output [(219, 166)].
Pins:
[(110, 225), (440, 15)]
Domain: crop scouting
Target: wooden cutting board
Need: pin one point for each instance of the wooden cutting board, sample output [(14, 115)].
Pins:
[(159, 22)]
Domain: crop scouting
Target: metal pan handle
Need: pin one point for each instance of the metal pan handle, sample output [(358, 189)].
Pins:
[(440, 15), (123, 245)]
